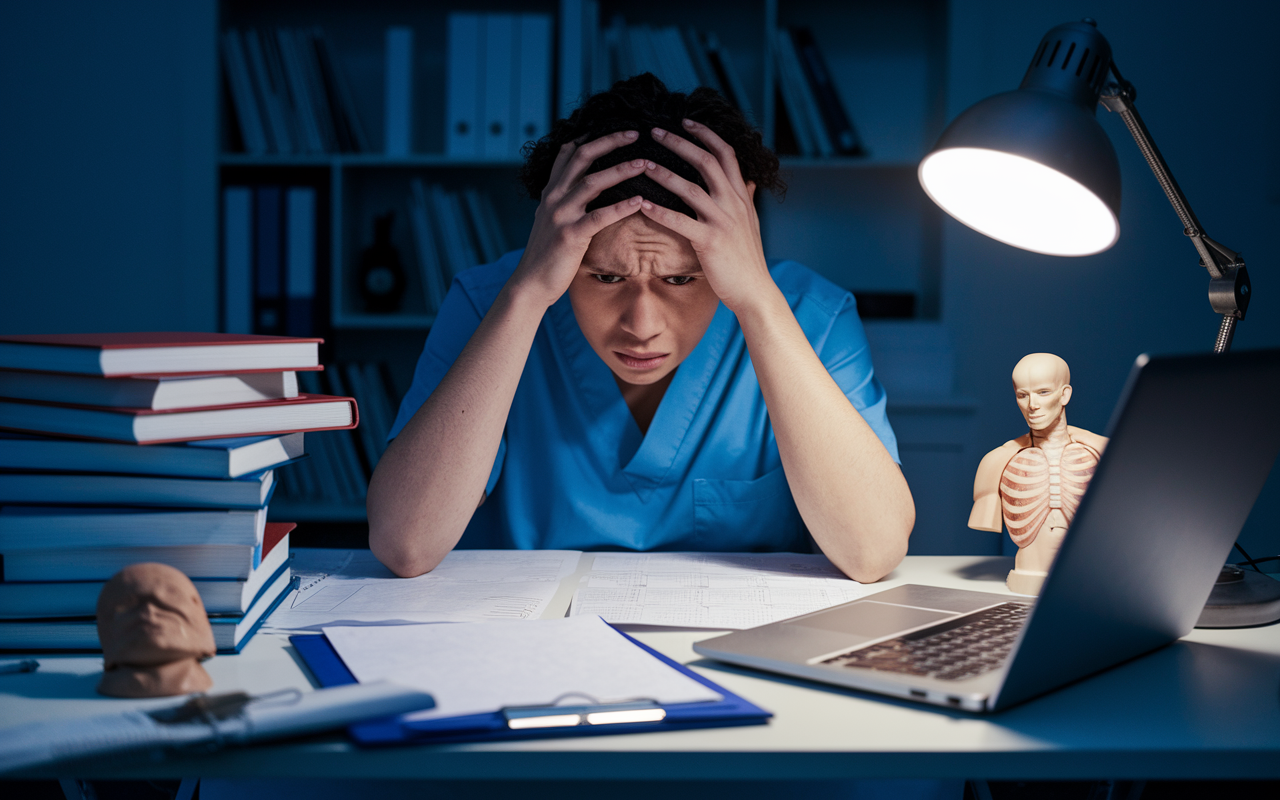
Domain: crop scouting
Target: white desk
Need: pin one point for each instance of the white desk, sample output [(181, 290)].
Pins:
[(1205, 707)]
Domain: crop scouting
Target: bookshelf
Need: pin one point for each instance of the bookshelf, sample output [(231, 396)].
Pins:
[(861, 221)]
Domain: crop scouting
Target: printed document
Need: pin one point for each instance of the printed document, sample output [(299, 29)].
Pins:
[(353, 587), (482, 668), (726, 591)]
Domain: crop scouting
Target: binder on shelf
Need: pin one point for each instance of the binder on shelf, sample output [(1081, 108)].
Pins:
[(464, 85), (268, 269), (533, 79), (237, 259), (732, 710), (398, 131), (498, 135), (300, 260), (426, 246)]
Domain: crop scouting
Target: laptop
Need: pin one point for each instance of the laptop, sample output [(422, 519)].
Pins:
[(1193, 439)]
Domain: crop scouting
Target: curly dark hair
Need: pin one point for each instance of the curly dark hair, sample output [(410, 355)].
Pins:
[(641, 103)]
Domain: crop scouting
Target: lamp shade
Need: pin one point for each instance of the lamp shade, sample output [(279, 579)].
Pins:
[(1033, 168)]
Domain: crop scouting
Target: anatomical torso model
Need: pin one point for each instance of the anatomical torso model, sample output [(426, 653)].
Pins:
[(1033, 484)]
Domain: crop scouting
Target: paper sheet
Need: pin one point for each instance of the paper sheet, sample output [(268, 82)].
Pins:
[(480, 668), (727, 591), (467, 586)]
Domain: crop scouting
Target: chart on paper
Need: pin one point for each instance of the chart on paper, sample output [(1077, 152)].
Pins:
[(729, 591), (468, 586)]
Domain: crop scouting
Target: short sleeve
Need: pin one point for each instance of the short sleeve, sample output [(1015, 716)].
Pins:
[(457, 321), (847, 357)]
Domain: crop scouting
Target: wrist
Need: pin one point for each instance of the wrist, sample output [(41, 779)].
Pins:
[(760, 307)]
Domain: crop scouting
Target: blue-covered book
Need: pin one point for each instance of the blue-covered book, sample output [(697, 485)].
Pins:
[(206, 458)]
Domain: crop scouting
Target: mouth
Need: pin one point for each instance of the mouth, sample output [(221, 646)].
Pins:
[(636, 360)]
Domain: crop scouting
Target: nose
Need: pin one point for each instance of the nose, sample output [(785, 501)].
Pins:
[(643, 316), (1033, 402)]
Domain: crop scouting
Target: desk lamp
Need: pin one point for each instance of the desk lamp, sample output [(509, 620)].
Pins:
[(1034, 169)]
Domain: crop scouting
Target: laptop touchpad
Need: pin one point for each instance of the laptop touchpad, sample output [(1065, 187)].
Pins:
[(869, 619)]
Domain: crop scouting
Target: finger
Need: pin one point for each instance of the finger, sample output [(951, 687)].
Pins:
[(724, 153), (590, 187), (672, 220), (693, 194), (601, 218), (587, 154), (557, 168), (708, 165)]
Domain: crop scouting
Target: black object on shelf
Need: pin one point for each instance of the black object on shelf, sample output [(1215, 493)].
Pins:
[(382, 278), (886, 305)]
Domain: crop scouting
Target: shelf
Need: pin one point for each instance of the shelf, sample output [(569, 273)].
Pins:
[(433, 160), (384, 321), (803, 162), (316, 512)]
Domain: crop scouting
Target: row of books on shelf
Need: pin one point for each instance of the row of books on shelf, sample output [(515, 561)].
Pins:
[(341, 462), (269, 259), (81, 497), (812, 119), (452, 231), (289, 93), (591, 58)]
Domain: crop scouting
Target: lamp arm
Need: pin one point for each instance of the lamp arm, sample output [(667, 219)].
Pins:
[(1229, 288)]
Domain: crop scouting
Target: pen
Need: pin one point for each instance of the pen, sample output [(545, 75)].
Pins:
[(14, 667)]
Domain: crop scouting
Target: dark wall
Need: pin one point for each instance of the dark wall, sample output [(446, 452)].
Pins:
[(107, 166), (1206, 77)]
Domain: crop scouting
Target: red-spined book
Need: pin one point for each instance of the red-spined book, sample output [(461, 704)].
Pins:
[(306, 412), (157, 354)]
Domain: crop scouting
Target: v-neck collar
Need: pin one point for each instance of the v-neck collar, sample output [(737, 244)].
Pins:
[(643, 459)]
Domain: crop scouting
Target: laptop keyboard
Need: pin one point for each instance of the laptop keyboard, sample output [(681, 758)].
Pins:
[(953, 651)]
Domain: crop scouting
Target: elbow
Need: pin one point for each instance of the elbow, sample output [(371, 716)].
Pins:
[(883, 549), (392, 542)]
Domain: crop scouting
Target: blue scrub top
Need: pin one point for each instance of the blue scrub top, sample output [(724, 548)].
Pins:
[(574, 472)]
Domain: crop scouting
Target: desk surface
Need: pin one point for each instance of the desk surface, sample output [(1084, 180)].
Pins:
[(1207, 706)]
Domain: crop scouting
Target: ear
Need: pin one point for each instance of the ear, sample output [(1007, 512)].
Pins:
[(1066, 394), (751, 189)]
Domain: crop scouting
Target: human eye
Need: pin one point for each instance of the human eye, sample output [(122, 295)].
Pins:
[(678, 280), (608, 278)]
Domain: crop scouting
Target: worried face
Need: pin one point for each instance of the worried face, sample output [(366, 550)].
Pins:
[(641, 300)]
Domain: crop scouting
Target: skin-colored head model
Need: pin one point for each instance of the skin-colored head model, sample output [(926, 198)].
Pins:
[(154, 634), (1042, 383)]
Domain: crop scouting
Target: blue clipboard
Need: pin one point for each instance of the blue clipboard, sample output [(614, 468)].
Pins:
[(329, 670)]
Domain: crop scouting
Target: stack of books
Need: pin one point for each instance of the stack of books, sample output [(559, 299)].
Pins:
[(130, 447)]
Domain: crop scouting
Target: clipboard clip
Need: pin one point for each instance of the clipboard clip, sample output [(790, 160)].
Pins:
[(555, 716)]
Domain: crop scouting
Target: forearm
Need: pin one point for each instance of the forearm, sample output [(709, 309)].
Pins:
[(850, 493), (432, 477)]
